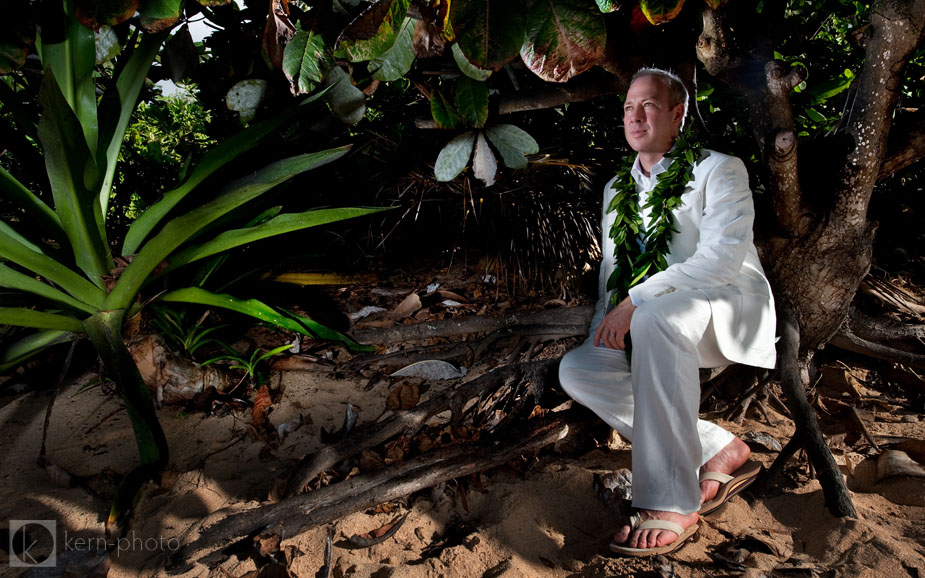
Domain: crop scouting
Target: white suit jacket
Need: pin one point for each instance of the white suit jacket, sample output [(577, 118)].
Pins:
[(712, 251)]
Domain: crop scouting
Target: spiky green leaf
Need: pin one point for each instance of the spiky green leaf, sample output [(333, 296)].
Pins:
[(563, 39), (454, 157), (15, 280), (35, 342), (26, 200), (21, 317), (73, 176), (117, 106), (490, 32), (262, 311), (182, 228), (45, 266), (215, 159), (279, 225)]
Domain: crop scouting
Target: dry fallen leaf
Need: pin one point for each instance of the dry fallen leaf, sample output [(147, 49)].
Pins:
[(405, 396), (261, 405), (408, 306)]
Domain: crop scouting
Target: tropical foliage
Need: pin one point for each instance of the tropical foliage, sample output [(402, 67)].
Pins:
[(78, 288)]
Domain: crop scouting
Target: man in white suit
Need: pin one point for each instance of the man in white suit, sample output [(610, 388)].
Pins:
[(710, 307)]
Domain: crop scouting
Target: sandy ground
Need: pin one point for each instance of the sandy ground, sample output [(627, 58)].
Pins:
[(545, 522), (542, 520)]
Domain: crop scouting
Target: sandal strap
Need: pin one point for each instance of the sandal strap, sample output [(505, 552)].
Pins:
[(661, 525), (716, 477)]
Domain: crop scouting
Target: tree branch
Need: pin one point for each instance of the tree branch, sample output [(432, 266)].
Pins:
[(906, 144), (892, 36)]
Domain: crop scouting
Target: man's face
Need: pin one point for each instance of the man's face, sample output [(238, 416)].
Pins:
[(649, 121)]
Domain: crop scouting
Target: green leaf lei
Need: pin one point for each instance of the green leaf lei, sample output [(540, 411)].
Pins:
[(632, 264)]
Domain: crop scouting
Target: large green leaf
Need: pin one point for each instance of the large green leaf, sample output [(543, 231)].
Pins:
[(490, 32), (22, 317), (182, 228), (96, 13), (69, 50), (16, 280), (443, 111), (306, 61), (396, 61), (466, 67), (564, 38), (454, 157), (212, 161), (26, 200), (661, 11), (50, 269), (119, 103), (19, 352), (73, 174), (513, 143), (348, 103), (472, 101), (159, 15), (372, 32), (276, 226), (262, 311)]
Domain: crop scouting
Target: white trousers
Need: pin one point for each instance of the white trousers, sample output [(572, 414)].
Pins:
[(656, 405)]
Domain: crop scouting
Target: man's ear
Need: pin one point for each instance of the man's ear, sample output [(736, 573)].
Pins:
[(678, 114)]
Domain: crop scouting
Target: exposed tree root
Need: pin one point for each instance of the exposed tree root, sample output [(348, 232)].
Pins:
[(297, 514), (881, 329), (850, 342), (808, 434)]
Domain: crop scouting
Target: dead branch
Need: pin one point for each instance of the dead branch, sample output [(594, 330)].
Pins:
[(554, 322), (409, 422), (891, 295), (808, 433), (297, 514)]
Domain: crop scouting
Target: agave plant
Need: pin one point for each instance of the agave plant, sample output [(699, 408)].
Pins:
[(65, 264)]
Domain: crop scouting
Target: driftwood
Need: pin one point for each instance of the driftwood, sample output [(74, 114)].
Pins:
[(297, 514), (410, 421), (552, 322)]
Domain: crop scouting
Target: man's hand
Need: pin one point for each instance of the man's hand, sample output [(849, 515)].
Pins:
[(616, 324)]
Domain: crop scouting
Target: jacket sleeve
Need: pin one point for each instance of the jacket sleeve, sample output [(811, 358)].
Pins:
[(724, 238)]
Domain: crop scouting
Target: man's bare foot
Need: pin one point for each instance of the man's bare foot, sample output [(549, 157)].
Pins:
[(654, 538), (728, 460)]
